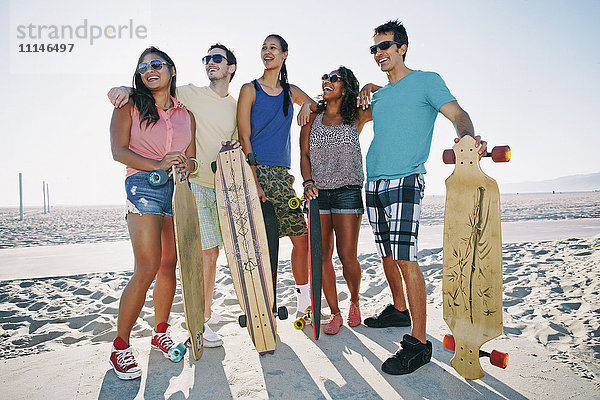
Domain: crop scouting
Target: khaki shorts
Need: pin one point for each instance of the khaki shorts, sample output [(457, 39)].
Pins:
[(208, 216), (277, 184)]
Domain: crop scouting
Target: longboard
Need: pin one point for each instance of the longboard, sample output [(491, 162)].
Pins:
[(246, 246), (315, 253), (472, 256), (191, 273)]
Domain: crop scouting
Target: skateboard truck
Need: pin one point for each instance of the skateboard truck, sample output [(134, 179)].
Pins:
[(304, 319), (281, 312), (498, 154), (497, 358)]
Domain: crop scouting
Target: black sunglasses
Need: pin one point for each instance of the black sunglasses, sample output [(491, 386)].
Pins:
[(154, 64), (383, 46), (331, 77), (217, 58)]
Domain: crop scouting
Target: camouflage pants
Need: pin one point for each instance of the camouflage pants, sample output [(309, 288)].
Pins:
[(277, 184)]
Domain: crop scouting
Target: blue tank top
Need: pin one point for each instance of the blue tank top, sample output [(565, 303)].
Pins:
[(270, 135)]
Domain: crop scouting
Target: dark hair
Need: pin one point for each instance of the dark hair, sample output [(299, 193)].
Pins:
[(142, 96), (283, 79), (231, 60), (397, 29), (348, 109)]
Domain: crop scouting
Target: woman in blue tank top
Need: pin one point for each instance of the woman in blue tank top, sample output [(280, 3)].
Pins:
[(264, 118)]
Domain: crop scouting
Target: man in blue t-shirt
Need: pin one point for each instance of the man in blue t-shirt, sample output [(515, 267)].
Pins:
[(404, 113)]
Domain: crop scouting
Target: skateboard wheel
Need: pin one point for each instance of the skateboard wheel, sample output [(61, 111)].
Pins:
[(294, 203), (251, 157), (213, 166), (176, 353), (448, 157), (282, 313), (448, 342), (501, 154), (299, 324), (499, 359), (158, 177), (242, 320)]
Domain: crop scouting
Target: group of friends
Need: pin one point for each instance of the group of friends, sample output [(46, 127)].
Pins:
[(157, 124)]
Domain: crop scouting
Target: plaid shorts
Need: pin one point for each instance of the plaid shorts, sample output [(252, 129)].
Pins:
[(394, 210), (277, 183), (208, 216)]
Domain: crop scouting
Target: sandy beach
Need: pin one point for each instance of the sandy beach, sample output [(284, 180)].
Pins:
[(59, 307)]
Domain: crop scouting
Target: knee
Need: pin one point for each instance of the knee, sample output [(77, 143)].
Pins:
[(210, 256)]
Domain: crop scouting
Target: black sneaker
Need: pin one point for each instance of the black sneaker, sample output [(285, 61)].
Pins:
[(411, 356), (390, 316)]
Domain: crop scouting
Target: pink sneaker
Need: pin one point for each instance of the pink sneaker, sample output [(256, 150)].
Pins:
[(354, 315), (161, 339), (334, 324), (123, 361)]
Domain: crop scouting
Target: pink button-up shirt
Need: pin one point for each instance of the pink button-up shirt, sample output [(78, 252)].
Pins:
[(172, 132)]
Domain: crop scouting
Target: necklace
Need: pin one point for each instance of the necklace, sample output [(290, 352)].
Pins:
[(170, 105)]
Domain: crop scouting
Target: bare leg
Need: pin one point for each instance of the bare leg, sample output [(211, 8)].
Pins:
[(329, 285), (300, 259), (417, 297), (209, 263), (145, 233), (346, 228), (166, 279), (394, 278)]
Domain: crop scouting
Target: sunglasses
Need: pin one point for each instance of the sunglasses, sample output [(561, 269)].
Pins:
[(331, 78), (217, 58), (383, 46), (154, 64)]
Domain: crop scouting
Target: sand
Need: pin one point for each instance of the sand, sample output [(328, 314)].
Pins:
[(59, 307)]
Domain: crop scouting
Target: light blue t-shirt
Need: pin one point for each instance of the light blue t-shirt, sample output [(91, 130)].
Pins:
[(404, 113)]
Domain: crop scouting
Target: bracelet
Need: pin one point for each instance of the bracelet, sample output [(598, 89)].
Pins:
[(195, 171), (307, 181)]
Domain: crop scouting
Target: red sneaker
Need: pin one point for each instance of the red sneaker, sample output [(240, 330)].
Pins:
[(123, 362), (334, 324), (161, 339), (354, 315)]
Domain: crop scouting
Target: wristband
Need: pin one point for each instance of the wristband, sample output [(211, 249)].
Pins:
[(308, 181), (196, 165)]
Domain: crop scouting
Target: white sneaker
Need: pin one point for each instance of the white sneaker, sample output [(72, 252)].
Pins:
[(216, 318), (211, 339)]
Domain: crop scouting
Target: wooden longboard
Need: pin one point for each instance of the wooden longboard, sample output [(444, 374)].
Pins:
[(246, 246), (472, 259), (189, 257), (316, 263)]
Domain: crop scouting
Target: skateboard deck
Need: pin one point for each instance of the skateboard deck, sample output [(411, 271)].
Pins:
[(272, 229), (472, 259), (189, 257), (246, 246), (316, 263)]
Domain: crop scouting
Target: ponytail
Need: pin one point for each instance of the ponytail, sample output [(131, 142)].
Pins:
[(283, 81)]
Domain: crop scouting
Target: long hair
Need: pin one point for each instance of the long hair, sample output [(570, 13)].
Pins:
[(283, 78), (142, 96), (348, 109)]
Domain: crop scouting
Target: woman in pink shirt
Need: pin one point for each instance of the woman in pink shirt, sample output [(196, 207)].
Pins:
[(153, 131)]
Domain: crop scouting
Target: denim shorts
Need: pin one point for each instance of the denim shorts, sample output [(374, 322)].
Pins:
[(344, 200), (142, 198)]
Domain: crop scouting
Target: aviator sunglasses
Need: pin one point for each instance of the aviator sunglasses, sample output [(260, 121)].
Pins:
[(383, 46), (331, 77), (154, 64), (217, 58)]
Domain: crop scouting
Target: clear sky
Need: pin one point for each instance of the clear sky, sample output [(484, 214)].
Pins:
[(528, 73)]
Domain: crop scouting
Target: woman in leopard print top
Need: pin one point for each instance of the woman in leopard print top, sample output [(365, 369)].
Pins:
[(331, 165)]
